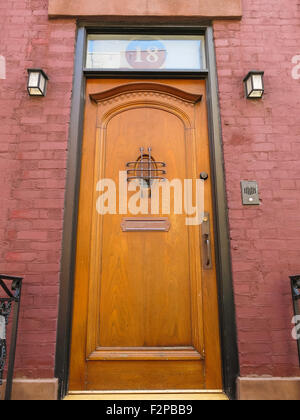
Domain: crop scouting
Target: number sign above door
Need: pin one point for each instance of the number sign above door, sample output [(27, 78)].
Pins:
[(144, 53)]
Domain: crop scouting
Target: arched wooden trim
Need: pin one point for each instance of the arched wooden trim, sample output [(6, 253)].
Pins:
[(146, 87), (177, 112)]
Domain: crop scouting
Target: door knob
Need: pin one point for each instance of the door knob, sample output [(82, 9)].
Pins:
[(204, 176)]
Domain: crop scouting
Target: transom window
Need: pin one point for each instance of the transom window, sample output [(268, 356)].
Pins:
[(146, 53)]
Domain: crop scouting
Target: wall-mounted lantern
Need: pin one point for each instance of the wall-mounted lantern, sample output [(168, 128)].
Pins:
[(37, 82), (254, 84), (295, 282)]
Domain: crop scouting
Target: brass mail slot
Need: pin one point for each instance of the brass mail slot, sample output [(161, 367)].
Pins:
[(145, 224)]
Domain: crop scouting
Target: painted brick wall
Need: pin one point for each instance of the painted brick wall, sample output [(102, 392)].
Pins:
[(33, 149), (262, 142)]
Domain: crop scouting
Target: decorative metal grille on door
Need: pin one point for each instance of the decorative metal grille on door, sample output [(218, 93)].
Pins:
[(146, 169)]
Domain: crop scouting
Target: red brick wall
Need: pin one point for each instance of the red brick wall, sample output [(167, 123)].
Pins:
[(262, 142), (33, 150)]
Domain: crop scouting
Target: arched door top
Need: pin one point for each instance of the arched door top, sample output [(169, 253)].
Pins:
[(146, 87)]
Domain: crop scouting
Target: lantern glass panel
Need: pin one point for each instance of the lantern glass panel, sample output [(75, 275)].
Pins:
[(249, 86), (35, 92), (33, 79), (42, 83), (256, 94), (257, 82)]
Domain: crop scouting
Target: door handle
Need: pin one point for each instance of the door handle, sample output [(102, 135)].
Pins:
[(206, 243)]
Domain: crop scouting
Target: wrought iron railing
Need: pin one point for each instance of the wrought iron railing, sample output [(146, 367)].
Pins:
[(10, 296), (295, 283)]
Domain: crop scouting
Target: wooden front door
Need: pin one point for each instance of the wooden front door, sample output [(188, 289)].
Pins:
[(145, 303)]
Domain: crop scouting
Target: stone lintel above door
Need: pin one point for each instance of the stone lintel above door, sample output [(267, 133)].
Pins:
[(207, 9)]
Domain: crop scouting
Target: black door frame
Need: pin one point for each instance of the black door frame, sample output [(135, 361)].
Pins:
[(230, 360)]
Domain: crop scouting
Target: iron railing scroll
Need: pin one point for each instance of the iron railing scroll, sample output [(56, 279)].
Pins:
[(295, 282), (10, 296)]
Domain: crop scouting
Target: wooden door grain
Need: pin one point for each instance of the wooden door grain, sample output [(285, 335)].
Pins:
[(145, 312)]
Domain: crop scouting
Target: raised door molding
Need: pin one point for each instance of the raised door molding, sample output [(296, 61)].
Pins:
[(154, 88)]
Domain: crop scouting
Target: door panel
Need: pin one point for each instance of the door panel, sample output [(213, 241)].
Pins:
[(156, 295), (145, 312)]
